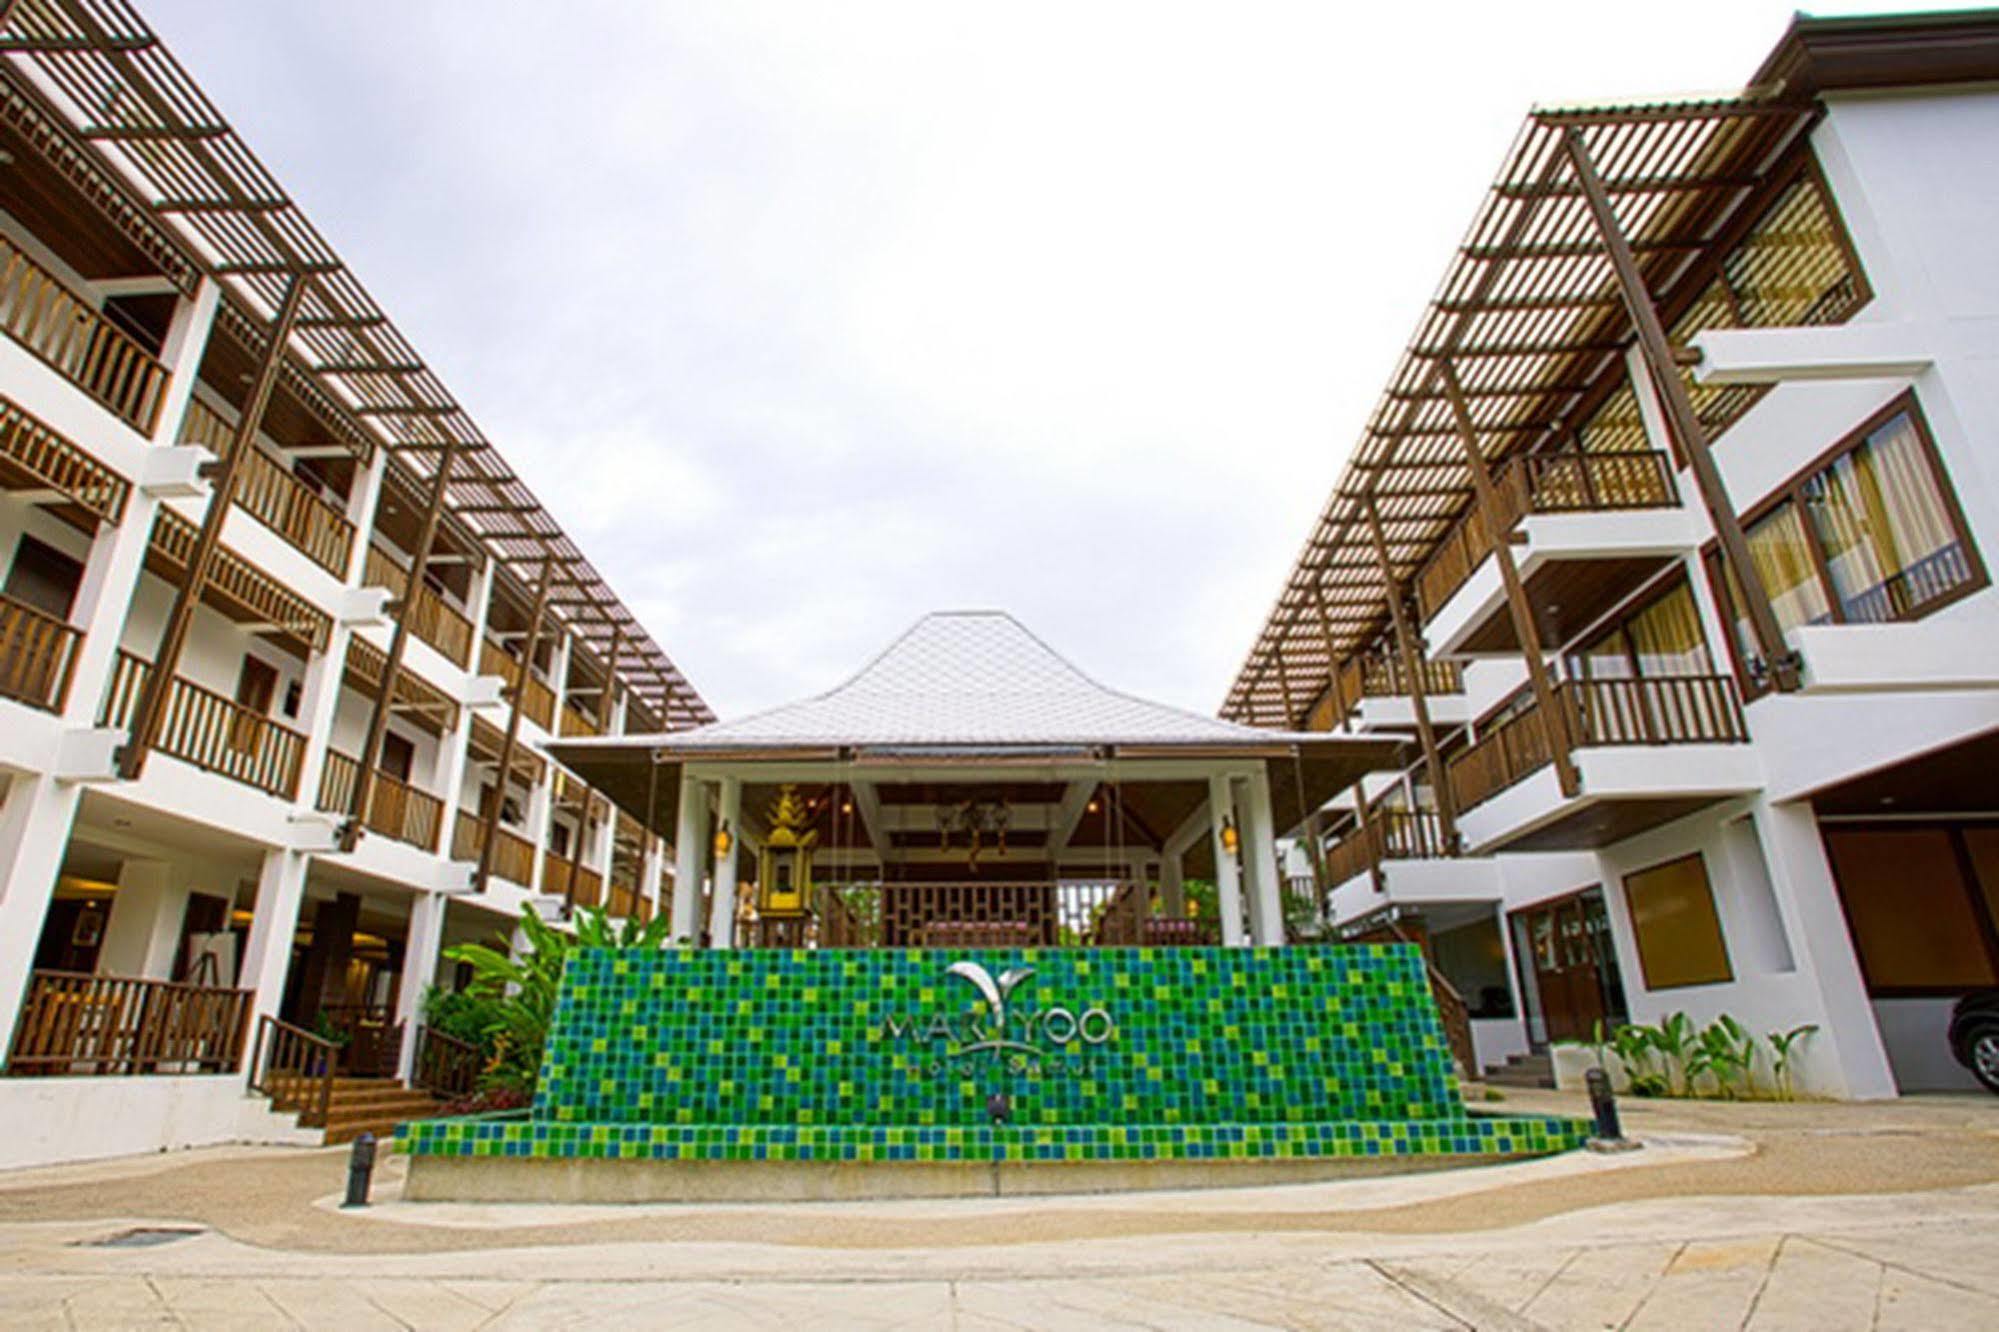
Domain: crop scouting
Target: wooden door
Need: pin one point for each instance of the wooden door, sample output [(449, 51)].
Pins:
[(1563, 941), (256, 686)]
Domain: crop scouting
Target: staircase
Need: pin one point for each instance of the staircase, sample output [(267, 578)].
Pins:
[(353, 1105), (1528, 1071)]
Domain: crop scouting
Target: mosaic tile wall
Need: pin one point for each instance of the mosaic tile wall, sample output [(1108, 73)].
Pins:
[(1171, 1036), (1108, 1054)]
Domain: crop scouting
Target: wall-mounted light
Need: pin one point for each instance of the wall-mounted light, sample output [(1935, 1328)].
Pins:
[(1231, 839), (724, 842)]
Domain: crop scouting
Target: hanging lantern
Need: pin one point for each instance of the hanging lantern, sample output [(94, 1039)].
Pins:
[(784, 886)]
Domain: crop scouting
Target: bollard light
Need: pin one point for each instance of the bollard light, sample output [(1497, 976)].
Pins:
[(1603, 1104), (360, 1169)]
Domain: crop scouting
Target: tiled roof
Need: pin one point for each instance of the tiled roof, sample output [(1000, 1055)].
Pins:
[(969, 678)]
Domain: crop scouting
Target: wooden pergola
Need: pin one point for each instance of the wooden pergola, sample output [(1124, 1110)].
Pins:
[(93, 87), (1604, 225)]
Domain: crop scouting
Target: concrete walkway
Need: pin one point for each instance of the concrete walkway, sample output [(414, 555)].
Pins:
[(1803, 1216)]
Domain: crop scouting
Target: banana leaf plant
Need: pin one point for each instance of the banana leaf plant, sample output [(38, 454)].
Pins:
[(522, 985)]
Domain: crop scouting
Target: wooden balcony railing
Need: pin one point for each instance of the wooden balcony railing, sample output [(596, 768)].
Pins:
[(1668, 710), (431, 618), (276, 498), (39, 458), (555, 879), (416, 700), (211, 732), (445, 1065), (575, 721), (1373, 675), (513, 855), (1567, 482), (537, 699), (77, 342), (75, 1024), (1390, 834), (396, 809), (237, 587), (37, 655)]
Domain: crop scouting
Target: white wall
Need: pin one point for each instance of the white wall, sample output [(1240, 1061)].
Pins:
[(49, 1120)]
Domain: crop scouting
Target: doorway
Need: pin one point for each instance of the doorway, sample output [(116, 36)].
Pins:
[(1569, 968)]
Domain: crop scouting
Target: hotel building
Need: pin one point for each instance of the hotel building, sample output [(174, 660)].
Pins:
[(1667, 547), (282, 641)]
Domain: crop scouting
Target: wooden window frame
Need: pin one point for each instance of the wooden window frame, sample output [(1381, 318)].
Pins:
[(1792, 491), (1637, 935)]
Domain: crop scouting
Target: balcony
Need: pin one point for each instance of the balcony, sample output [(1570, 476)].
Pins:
[(236, 587), (276, 498), (1647, 751), (1390, 834), (1372, 690), (513, 855), (37, 655), (396, 810), (431, 618), (537, 699), (211, 732), (53, 471), (575, 721), (77, 342), (556, 878), (1587, 528), (416, 701)]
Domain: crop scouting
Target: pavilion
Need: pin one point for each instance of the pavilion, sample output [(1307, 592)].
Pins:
[(970, 787)]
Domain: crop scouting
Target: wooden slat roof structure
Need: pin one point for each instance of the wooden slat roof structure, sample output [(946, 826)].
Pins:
[(1528, 315), (94, 85)]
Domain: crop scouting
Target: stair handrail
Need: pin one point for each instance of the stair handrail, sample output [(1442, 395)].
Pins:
[(286, 1049), (1452, 1010), (445, 1064)]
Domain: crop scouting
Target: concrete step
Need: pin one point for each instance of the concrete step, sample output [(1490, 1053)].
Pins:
[(1523, 1071)]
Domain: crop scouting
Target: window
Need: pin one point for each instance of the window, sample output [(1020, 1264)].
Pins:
[(1793, 267), (1661, 638), (1919, 923), (1674, 922), (1870, 534), (44, 578)]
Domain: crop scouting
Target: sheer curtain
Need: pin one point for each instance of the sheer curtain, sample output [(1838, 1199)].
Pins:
[(1888, 538)]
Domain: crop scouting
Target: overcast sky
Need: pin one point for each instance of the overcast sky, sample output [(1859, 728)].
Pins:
[(807, 319)]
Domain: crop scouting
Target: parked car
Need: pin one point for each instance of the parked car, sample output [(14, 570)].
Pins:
[(1974, 1036)]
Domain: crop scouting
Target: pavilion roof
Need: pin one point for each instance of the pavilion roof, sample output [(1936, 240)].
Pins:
[(1528, 314)]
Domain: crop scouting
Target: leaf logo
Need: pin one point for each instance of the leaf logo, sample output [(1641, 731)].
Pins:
[(995, 993)]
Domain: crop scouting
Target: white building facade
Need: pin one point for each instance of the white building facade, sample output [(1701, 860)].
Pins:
[(176, 895), (1634, 799)]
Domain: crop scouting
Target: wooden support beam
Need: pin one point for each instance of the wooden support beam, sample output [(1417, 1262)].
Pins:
[(378, 716), (513, 736), (1412, 666), (1781, 659), (150, 711), (1516, 593), (1367, 837)]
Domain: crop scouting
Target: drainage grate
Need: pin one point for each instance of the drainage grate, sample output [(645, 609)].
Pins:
[(141, 1237)]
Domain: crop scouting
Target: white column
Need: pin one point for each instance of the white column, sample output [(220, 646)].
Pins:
[(1172, 887), (267, 955), (362, 501), (1845, 1057), (319, 701), (722, 910), (35, 822), (426, 935), (142, 932), (690, 838), (1228, 884), (1259, 850), (103, 603), (535, 821), (181, 353), (651, 869)]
